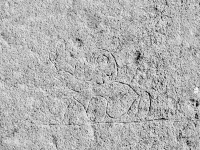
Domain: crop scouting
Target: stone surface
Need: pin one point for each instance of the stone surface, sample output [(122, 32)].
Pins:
[(99, 75)]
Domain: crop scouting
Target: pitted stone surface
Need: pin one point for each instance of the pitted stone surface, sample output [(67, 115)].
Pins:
[(99, 75)]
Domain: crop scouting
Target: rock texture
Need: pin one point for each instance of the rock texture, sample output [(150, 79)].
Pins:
[(99, 75)]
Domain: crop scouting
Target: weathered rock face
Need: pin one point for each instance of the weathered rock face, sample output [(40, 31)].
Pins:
[(99, 74)]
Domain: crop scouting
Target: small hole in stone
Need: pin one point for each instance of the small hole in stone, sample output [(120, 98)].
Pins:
[(196, 116), (138, 56), (192, 100), (79, 41), (197, 103)]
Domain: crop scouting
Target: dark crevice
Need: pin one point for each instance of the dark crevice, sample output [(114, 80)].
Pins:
[(116, 63), (150, 98), (197, 103)]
